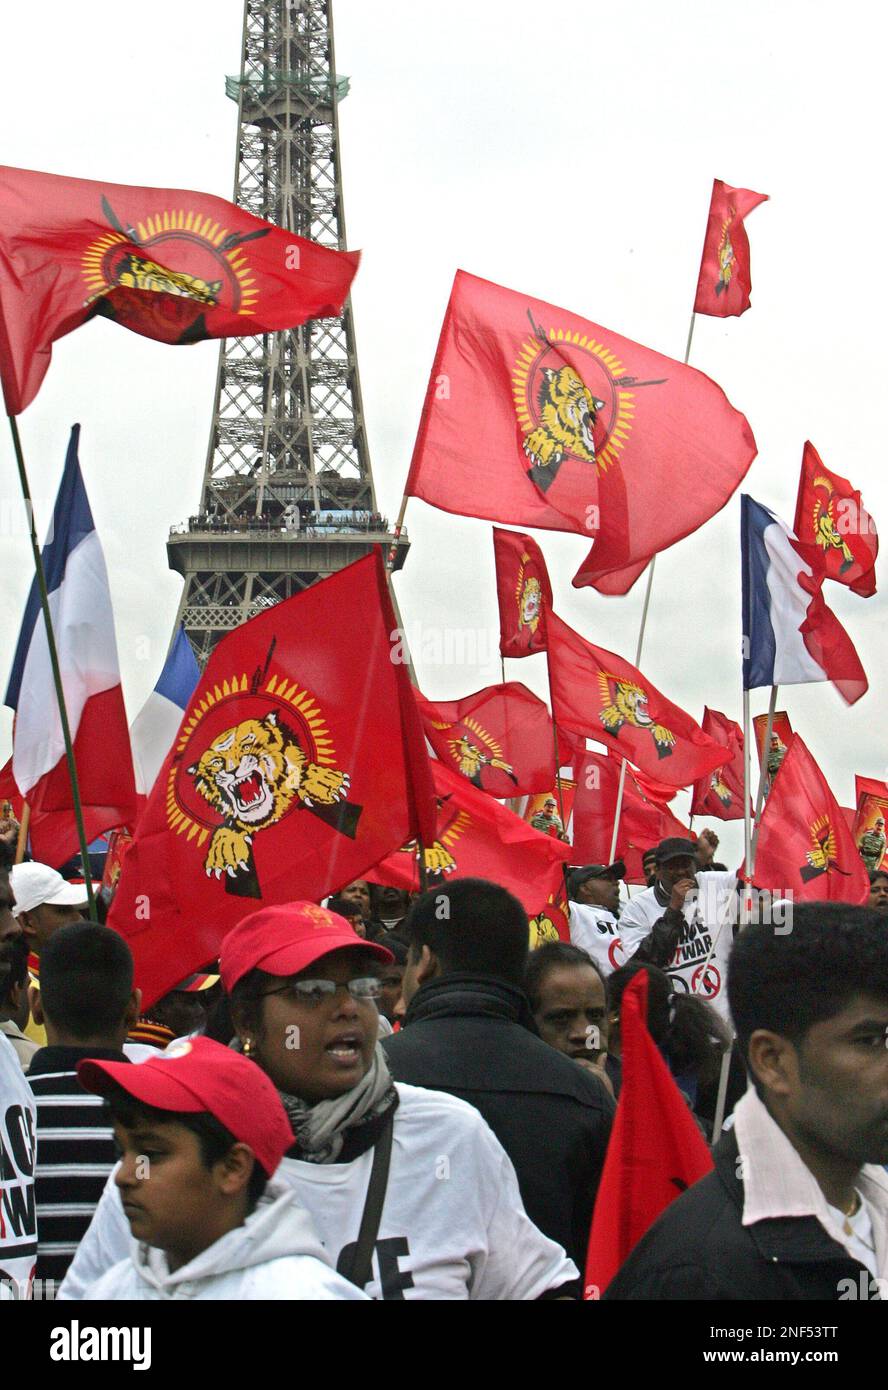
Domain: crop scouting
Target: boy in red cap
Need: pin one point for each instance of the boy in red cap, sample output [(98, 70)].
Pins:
[(202, 1132)]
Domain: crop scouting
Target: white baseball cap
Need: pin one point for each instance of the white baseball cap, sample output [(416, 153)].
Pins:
[(35, 884)]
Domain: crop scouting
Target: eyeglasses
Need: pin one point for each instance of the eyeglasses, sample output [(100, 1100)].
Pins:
[(314, 992)]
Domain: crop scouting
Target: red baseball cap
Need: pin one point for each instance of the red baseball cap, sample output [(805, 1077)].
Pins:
[(196, 1075), (287, 938)]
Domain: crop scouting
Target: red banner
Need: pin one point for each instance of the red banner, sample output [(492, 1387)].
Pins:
[(643, 822), (837, 532), (523, 593), (478, 838), (294, 770), (536, 417), (725, 281), (720, 793), (597, 693), (805, 849), (870, 820), (168, 263), (500, 738), (655, 1149)]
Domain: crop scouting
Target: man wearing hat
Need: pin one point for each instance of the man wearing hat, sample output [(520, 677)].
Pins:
[(683, 924), (44, 901), (594, 892)]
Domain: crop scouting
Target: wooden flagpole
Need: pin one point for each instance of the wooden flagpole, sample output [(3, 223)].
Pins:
[(56, 672)]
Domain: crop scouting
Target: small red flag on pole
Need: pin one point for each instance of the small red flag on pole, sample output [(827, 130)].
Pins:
[(724, 282)]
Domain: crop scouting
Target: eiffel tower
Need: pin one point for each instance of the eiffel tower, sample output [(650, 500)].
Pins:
[(288, 494)]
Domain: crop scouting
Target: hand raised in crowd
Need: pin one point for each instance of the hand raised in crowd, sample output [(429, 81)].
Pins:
[(680, 891)]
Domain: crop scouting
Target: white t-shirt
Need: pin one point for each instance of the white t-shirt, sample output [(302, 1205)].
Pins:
[(597, 931), (18, 1217), (710, 913), (453, 1225)]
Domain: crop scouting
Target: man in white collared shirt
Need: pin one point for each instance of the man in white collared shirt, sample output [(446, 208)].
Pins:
[(797, 1206)]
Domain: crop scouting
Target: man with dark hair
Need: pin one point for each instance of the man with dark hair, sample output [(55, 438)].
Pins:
[(468, 1031), (797, 1206), (568, 1000), (684, 925), (14, 1010), (594, 893), (649, 866), (87, 1002)]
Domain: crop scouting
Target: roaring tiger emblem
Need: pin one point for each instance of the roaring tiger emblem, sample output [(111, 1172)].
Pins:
[(567, 411), (252, 775), (530, 599), (628, 704), (826, 533), (139, 273)]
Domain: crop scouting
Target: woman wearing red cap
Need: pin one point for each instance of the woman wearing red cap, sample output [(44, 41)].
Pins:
[(410, 1191)]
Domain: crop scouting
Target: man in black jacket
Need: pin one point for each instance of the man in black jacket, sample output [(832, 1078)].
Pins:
[(468, 1030), (797, 1207)]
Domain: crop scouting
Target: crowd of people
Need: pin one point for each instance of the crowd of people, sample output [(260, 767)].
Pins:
[(390, 1096)]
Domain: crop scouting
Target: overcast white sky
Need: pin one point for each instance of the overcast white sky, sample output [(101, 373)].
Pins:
[(567, 151)]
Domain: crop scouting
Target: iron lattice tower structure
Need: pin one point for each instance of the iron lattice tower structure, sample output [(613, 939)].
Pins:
[(288, 494)]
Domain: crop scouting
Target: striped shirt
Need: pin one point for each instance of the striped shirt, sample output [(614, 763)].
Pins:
[(75, 1153)]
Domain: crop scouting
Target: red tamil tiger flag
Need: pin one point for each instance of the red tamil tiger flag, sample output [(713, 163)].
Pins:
[(868, 822), (293, 771), (720, 793), (536, 417), (805, 849), (500, 738), (654, 1153), (168, 263), (597, 693), (523, 593), (644, 822), (725, 282), (836, 533), (479, 838)]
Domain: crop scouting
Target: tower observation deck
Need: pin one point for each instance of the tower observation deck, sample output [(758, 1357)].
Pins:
[(288, 494)]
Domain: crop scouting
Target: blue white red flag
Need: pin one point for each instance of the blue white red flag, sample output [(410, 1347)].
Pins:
[(790, 636), (157, 723), (80, 605)]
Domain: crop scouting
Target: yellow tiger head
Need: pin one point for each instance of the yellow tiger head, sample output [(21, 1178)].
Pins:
[(632, 703), (139, 273), (531, 600), (251, 774), (567, 412)]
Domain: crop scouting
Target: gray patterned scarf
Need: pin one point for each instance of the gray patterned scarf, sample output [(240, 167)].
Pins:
[(320, 1129)]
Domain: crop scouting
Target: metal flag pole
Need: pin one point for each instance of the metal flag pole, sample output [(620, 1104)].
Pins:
[(558, 777), (56, 671), (747, 793), (644, 613), (760, 795)]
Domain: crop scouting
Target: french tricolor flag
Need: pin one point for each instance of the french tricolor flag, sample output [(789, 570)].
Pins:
[(80, 605), (158, 721), (790, 636)]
